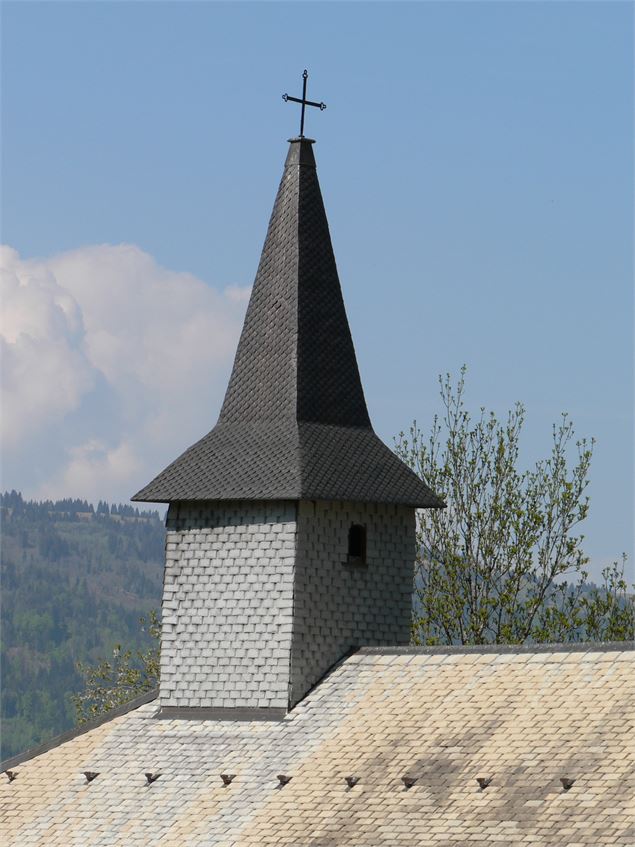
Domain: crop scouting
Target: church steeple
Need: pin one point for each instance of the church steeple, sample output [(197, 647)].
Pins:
[(294, 422), (291, 527)]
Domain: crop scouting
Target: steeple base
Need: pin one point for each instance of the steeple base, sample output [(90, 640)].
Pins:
[(261, 598)]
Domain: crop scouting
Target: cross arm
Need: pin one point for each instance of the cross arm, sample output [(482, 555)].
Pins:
[(320, 106)]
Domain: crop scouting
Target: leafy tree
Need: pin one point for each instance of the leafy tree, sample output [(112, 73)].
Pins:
[(502, 563), (129, 674)]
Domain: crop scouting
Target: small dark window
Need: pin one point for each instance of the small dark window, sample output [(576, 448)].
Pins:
[(356, 545)]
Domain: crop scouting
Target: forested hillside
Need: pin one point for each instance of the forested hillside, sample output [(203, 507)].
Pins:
[(75, 581)]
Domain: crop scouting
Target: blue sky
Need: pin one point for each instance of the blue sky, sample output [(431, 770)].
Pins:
[(476, 164)]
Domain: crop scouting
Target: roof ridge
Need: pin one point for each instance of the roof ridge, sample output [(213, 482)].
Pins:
[(449, 649)]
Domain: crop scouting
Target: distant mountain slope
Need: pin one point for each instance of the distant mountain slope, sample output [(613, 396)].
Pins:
[(74, 583)]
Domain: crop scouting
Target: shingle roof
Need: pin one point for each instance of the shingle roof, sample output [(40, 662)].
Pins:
[(527, 718), (294, 422)]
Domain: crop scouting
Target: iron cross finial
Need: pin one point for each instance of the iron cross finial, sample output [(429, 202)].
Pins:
[(304, 101)]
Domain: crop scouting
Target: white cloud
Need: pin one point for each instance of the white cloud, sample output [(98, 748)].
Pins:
[(112, 365), (45, 370)]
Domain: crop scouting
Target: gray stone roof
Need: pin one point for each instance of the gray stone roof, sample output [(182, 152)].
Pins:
[(294, 422), (518, 721)]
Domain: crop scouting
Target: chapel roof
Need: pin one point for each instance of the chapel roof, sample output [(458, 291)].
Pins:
[(524, 718), (294, 423)]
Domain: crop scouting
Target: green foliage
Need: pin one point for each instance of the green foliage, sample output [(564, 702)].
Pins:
[(129, 674), (503, 563), (68, 598)]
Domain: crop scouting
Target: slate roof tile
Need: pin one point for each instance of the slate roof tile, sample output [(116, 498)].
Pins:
[(294, 422), (377, 717)]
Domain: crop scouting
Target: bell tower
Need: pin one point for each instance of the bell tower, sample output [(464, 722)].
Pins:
[(291, 526)]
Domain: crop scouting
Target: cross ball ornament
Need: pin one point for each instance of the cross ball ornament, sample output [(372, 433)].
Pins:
[(303, 101)]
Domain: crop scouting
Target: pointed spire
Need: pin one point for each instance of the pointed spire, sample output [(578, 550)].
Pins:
[(294, 422), (296, 358)]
